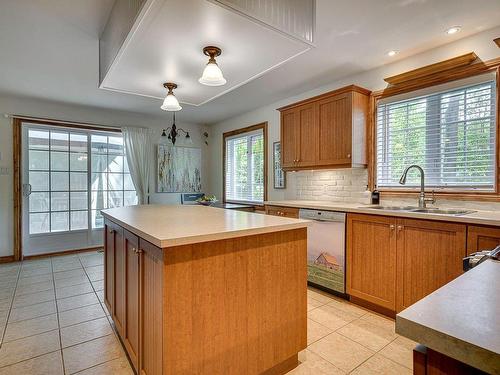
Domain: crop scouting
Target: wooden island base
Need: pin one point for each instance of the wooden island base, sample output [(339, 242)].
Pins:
[(232, 306)]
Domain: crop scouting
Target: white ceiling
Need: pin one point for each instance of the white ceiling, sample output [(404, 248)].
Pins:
[(153, 55), (49, 49)]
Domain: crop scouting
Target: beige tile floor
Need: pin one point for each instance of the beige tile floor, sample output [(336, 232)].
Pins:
[(53, 321)]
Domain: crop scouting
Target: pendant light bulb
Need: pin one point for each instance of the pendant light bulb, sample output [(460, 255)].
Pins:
[(212, 74), (170, 103)]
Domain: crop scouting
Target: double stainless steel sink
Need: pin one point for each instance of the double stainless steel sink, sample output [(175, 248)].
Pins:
[(435, 211)]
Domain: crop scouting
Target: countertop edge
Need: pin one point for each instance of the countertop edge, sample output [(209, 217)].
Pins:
[(463, 351), (188, 240), (410, 215)]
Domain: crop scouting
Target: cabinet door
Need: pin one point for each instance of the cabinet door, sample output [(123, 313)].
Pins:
[(289, 138), (131, 332), (308, 135), (371, 259), (151, 309), (109, 265), (482, 238), (429, 255), (119, 312), (335, 130)]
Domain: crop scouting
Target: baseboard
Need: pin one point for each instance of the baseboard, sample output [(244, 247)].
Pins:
[(7, 259), (371, 306), (64, 252)]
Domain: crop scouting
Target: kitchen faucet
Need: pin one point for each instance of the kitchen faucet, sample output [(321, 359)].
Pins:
[(422, 200)]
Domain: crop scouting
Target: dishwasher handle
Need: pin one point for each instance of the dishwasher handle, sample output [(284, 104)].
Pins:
[(319, 215)]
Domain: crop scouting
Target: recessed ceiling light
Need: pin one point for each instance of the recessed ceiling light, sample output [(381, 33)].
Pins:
[(392, 53), (453, 30)]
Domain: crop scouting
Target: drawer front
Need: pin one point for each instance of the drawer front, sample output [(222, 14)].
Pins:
[(290, 212)]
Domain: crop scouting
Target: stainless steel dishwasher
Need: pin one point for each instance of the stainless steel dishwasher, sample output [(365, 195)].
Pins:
[(326, 249)]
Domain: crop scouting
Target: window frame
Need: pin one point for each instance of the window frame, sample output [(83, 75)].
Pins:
[(249, 129), (490, 66)]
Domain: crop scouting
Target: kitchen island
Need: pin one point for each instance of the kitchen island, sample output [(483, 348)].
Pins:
[(200, 290), (458, 325)]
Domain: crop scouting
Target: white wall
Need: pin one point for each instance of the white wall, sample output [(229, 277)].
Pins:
[(482, 44), (59, 111)]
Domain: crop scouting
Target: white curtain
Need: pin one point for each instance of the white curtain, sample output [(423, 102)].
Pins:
[(138, 142)]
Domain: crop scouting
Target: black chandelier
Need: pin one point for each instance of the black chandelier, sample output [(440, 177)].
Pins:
[(172, 132)]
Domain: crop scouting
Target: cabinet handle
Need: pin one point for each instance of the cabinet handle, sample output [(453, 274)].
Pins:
[(348, 156), (111, 231), (134, 250), (392, 227), (400, 228)]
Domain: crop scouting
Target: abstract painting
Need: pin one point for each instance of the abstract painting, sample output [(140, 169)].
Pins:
[(179, 169)]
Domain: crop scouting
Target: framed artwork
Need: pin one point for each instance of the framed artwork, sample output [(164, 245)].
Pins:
[(179, 169), (279, 174)]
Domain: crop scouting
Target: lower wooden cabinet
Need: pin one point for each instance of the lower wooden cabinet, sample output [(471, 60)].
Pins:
[(394, 262), (132, 301), (151, 309), (429, 255), (133, 284), (371, 259), (482, 238), (291, 212)]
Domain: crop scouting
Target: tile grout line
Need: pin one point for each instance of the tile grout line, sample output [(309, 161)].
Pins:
[(29, 359), (10, 307), (58, 321)]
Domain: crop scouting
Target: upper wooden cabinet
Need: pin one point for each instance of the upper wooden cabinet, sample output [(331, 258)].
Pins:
[(326, 131), (299, 133)]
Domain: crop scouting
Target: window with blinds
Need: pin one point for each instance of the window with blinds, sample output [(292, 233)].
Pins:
[(451, 133), (244, 167)]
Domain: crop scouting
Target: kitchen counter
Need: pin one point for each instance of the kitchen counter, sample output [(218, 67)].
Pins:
[(491, 218), (460, 320), (167, 225)]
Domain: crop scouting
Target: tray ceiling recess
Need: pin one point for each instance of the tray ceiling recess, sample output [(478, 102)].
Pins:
[(148, 42)]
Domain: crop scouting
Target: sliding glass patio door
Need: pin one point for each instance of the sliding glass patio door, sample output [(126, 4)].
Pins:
[(69, 175)]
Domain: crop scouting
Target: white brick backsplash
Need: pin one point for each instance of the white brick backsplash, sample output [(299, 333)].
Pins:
[(349, 185), (332, 185)]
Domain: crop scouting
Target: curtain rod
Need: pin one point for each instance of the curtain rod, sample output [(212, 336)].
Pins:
[(62, 122)]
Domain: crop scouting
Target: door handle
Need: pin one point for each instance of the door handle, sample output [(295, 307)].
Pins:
[(26, 190)]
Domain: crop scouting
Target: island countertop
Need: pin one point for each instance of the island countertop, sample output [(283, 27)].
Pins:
[(170, 225), (460, 320)]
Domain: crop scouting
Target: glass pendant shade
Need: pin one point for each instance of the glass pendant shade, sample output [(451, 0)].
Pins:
[(171, 103), (212, 75)]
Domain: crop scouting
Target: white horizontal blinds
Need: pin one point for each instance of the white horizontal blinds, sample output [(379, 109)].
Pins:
[(245, 167), (450, 133)]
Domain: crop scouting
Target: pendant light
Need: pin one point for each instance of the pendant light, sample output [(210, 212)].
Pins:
[(170, 103), (212, 75), (173, 132)]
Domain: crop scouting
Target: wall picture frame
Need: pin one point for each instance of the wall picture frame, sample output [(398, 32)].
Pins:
[(279, 175)]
